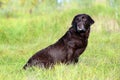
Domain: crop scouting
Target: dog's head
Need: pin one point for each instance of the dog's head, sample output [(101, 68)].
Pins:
[(82, 22)]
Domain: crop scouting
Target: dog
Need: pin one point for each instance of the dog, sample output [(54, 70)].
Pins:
[(68, 48)]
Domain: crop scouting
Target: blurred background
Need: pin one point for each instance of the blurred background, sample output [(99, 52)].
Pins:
[(27, 26), (18, 8), (28, 18)]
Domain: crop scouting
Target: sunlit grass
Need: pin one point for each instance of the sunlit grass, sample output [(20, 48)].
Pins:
[(22, 36)]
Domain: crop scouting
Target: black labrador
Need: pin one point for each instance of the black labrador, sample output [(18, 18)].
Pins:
[(68, 48)]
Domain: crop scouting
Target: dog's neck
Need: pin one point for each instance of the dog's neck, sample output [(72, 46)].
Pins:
[(83, 35)]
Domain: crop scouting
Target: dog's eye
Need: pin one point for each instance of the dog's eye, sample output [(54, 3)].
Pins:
[(77, 19), (83, 18)]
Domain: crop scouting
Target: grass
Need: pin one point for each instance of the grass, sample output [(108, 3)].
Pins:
[(21, 37)]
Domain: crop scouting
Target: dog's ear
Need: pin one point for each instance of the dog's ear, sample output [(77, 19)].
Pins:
[(91, 21), (74, 21)]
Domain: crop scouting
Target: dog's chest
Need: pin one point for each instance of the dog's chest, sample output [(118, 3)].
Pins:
[(77, 42)]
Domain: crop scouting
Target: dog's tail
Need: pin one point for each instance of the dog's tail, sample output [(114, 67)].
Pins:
[(28, 64), (25, 66)]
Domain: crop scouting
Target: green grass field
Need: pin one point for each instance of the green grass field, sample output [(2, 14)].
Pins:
[(23, 35)]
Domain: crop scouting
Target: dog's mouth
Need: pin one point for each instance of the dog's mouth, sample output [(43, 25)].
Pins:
[(81, 31)]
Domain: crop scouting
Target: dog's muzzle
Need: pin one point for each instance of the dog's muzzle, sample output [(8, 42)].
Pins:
[(81, 28)]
